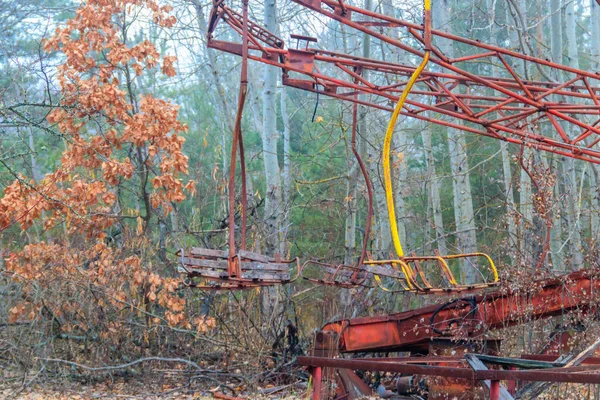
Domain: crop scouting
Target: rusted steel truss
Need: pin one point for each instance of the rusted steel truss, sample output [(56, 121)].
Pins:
[(463, 324), (463, 317), (559, 113), (421, 368)]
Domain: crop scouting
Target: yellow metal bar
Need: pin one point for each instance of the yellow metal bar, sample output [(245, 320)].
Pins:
[(387, 143)]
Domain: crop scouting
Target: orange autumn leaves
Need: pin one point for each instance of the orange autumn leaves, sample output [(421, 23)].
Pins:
[(114, 138), (120, 283)]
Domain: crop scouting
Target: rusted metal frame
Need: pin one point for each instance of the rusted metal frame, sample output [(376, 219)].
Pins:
[(538, 376), (356, 76), (516, 77), (387, 67), (538, 138), (253, 28), (336, 270), (317, 378), (406, 330), (517, 116), (387, 367), (264, 35), (416, 52), (239, 29), (433, 49), (379, 65), (456, 38), (469, 97), (595, 142), (234, 267), (443, 64), (535, 141), (416, 359), (354, 24), (378, 24), (433, 89), (491, 84), (443, 103), (591, 91), (427, 29), (553, 358), (339, 82), (472, 57), (585, 134), (396, 87), (496, 107), (495, 390), (450, 372), (573, 121), (536, 86), (558, 128), (527, 123), (421, 273), (244, 90), (457, 101), (559, 87), (575, 108), (542, 139), (214, 17)]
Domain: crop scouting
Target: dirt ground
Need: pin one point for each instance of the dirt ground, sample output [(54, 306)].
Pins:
[(127, 390)]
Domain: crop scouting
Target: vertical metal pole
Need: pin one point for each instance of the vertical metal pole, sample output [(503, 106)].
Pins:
[(495, 390), (233, 267), (243, 92), (317, 378)]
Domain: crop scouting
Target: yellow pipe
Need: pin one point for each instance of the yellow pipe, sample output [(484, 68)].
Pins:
[(387, 174)]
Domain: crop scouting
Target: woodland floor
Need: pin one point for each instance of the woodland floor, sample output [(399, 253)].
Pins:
[(118, 388)]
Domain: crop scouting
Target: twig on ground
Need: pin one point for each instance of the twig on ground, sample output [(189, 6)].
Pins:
[(122, 366)]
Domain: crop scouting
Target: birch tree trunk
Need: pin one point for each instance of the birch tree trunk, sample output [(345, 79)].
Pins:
[(557, 55), (505, 155), (517, 12), (463, 200), (274, 209), (287, 184), (226, 127), (568, 165), (434, 190), (37, 176), (383, 239), (594, 181), (273, 195), (399, 175), (351, 201)]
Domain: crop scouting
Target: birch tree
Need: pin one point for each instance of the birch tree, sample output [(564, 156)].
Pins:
[(457, 148), (270, 136), (434, 190), (568, 164)]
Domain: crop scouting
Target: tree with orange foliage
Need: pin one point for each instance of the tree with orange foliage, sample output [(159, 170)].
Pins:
[(120, 147)]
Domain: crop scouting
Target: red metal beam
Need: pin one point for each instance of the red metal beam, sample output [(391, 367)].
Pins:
[(452, 372), (412, 330)]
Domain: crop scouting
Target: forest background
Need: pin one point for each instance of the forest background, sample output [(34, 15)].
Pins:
[(115, 132)]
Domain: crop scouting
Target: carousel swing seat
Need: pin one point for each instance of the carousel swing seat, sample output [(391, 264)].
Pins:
[(246, 269)]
